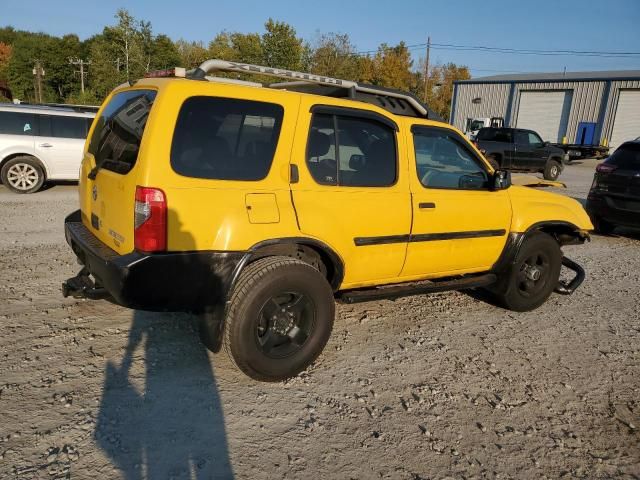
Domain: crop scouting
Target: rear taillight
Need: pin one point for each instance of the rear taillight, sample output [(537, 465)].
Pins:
[(605, 168), (150, 220)]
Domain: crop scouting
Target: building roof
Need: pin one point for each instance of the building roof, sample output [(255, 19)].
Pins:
[(558, 76)]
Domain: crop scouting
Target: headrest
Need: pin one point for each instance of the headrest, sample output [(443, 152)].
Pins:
[(319, 144)]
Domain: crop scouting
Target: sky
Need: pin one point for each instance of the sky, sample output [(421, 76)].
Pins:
[(577, 25)]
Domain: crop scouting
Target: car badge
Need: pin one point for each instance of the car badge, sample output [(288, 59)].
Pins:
[(94, 193)]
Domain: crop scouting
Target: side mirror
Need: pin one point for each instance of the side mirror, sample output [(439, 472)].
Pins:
[(545, 144), (501, 180)]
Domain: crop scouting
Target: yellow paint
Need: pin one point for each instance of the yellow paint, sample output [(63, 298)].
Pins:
[(235, 215)]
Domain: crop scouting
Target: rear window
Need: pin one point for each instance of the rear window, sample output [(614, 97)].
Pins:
[(626, 157), (225, 139), (17, 123), (495, 135), (116, 138)]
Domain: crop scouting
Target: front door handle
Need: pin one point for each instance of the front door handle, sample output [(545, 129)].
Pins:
[(45, 145), (424, 205)]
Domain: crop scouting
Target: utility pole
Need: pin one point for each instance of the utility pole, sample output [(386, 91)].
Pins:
[(82, 63), (38, 71), (426, 69)]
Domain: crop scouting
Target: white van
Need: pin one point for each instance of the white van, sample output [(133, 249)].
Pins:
[(41, 143)]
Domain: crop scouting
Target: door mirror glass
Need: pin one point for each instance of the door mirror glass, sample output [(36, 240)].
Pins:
[(501, 180)]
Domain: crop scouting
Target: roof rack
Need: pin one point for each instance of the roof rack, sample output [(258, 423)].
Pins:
[(395, 101), (60, 106)]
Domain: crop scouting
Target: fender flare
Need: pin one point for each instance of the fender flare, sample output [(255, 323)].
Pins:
[(566, 233)]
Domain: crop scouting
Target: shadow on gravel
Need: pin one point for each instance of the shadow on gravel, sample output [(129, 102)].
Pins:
[(174, 427)]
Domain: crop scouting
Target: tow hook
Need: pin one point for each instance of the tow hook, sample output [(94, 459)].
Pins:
[(81, 286), (567, 288)]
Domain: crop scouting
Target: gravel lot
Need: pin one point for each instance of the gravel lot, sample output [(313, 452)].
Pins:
[(440, 386)]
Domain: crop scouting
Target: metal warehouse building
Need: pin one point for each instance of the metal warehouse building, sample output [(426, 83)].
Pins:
[(585, 107)]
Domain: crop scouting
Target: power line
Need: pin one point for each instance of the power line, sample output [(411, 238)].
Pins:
[(517, 51)]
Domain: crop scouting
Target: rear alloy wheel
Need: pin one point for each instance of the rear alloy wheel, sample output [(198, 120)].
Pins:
[(279, 318), (552, 170), (22, 175), (533, 276)]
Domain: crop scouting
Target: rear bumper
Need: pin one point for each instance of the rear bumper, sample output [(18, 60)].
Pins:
[(178, 281), (603, 207)]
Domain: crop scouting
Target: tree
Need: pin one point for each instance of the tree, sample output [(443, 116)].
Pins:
[(392, 66), (5, 56), (191, 54), (281, 47), (334, 55), (440, 87), (164, 53)]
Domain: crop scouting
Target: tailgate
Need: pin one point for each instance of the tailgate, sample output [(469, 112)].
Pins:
[(108, 176)]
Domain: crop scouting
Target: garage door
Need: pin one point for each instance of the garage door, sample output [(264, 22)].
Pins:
[(626, 125), (546, 113)]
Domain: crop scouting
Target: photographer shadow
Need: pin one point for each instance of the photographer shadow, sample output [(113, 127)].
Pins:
[(160, 414)]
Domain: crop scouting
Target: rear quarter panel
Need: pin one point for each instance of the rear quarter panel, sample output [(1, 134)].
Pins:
[(206, 214)]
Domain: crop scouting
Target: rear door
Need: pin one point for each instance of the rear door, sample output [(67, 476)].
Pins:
[(352, 192), (61, 141), (107, 180)]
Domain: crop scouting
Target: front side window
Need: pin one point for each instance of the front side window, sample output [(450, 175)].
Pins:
[(118, 133), (17, 123), (351, 151), (444, 161), (225, 138)]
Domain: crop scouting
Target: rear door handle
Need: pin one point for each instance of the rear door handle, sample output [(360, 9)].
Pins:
[(424, 205), (45, 145)]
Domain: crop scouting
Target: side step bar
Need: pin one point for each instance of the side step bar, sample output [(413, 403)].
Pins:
[(403, 290)]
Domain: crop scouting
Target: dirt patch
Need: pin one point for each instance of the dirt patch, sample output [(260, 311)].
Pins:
[(440, 386)]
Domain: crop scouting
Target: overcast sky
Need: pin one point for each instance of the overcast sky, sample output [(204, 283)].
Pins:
[(585, 25)]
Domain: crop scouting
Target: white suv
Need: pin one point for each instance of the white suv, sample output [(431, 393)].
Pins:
[(41, 143)]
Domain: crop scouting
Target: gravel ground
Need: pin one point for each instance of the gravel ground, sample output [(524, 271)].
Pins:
[(440, 386)]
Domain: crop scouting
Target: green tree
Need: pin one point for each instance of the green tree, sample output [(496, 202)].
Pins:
[(191, 54), (281, 47), (164, 53), (334, 55)]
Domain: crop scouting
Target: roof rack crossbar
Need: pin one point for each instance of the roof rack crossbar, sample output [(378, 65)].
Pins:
[(297, 78)]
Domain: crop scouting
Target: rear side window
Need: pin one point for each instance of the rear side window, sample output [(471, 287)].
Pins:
[(627, 157), (17, 123), (225, 138), (118, 133), (63, 127), (365, 155)]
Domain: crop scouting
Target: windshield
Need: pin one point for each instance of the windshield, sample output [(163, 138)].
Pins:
[(627, 157), (118, 133), (476, 125)]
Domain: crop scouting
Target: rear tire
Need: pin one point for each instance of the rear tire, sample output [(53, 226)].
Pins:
[(552, 170), (22, 175), (534, 275), (279, 318)]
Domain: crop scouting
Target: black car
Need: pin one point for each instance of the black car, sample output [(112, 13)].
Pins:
[(614, 198), (520, 150)]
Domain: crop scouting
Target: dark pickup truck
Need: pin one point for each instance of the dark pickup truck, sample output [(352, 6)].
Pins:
[(520, 150)]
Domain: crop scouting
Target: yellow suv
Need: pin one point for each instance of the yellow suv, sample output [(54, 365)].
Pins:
[(256, 207)]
